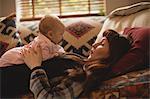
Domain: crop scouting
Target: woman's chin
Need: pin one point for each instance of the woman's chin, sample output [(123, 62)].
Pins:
[(90, 58)]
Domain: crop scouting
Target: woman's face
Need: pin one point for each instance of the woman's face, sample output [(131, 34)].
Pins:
[(99, 50)]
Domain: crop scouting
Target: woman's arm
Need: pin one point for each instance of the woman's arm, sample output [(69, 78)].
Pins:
[(42, 89)]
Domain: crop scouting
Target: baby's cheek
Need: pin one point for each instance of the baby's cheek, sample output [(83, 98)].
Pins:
[(56, 54)]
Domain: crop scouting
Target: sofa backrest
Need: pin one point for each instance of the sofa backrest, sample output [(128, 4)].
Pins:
[(137, 25), (120, 22)]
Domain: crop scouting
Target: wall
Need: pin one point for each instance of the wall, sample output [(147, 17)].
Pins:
[(7, 7), (0, 7), (112, 4)]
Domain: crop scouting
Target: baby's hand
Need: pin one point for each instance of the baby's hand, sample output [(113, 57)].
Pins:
[(59, 53)]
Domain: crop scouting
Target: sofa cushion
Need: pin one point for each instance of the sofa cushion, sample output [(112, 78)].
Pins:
[(28, 31), (9, 38), (133, 85), (138, 55), (80, 34), (127, 10), (119, 23)]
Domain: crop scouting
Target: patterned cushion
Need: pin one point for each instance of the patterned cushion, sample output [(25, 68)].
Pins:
[(28, 31), (9, 38), (78, 29), (80, 34), (132, 85)]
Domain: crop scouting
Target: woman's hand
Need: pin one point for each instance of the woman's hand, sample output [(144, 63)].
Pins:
[(32, 56)]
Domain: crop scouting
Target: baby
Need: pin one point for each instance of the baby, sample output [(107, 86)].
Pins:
[(51, 31)]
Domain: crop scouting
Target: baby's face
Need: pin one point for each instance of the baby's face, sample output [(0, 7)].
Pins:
[(57, 36), (52, 28)]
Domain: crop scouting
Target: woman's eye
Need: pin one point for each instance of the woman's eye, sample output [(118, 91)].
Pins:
[(94, 46), (103, 43)]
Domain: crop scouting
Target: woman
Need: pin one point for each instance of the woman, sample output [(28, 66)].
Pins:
[(80, 80)]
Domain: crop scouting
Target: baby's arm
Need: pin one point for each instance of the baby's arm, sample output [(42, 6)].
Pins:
[(60, 51), (11, 57)]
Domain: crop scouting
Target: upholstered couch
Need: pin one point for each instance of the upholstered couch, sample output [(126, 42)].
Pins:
[(80, 34), (134, 21)]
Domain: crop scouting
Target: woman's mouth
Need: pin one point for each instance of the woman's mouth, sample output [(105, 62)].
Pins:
[(91, 52)]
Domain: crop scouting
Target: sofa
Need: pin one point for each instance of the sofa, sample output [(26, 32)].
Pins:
[(80, 34), (133, 67)]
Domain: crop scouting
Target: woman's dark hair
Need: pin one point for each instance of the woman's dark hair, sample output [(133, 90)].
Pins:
[(118, 46)]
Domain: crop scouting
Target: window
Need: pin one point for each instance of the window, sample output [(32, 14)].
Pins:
[(32, 9)]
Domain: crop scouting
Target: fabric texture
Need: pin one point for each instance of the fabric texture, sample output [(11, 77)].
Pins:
[(79, 36), (28, 31), (79, 29), (9, 38), (127, 10), (19, 74), (15, 79), (134, 85), (138, 55), (58, 87), (49, 50), (119, 23)]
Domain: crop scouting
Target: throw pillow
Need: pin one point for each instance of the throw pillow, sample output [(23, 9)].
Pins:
[(79, 36), (9, 38), (138, 55), (28, 31)]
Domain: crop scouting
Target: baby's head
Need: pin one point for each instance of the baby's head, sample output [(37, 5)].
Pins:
[(52, 27)]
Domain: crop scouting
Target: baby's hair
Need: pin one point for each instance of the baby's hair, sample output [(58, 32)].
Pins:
[(50, 22)]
